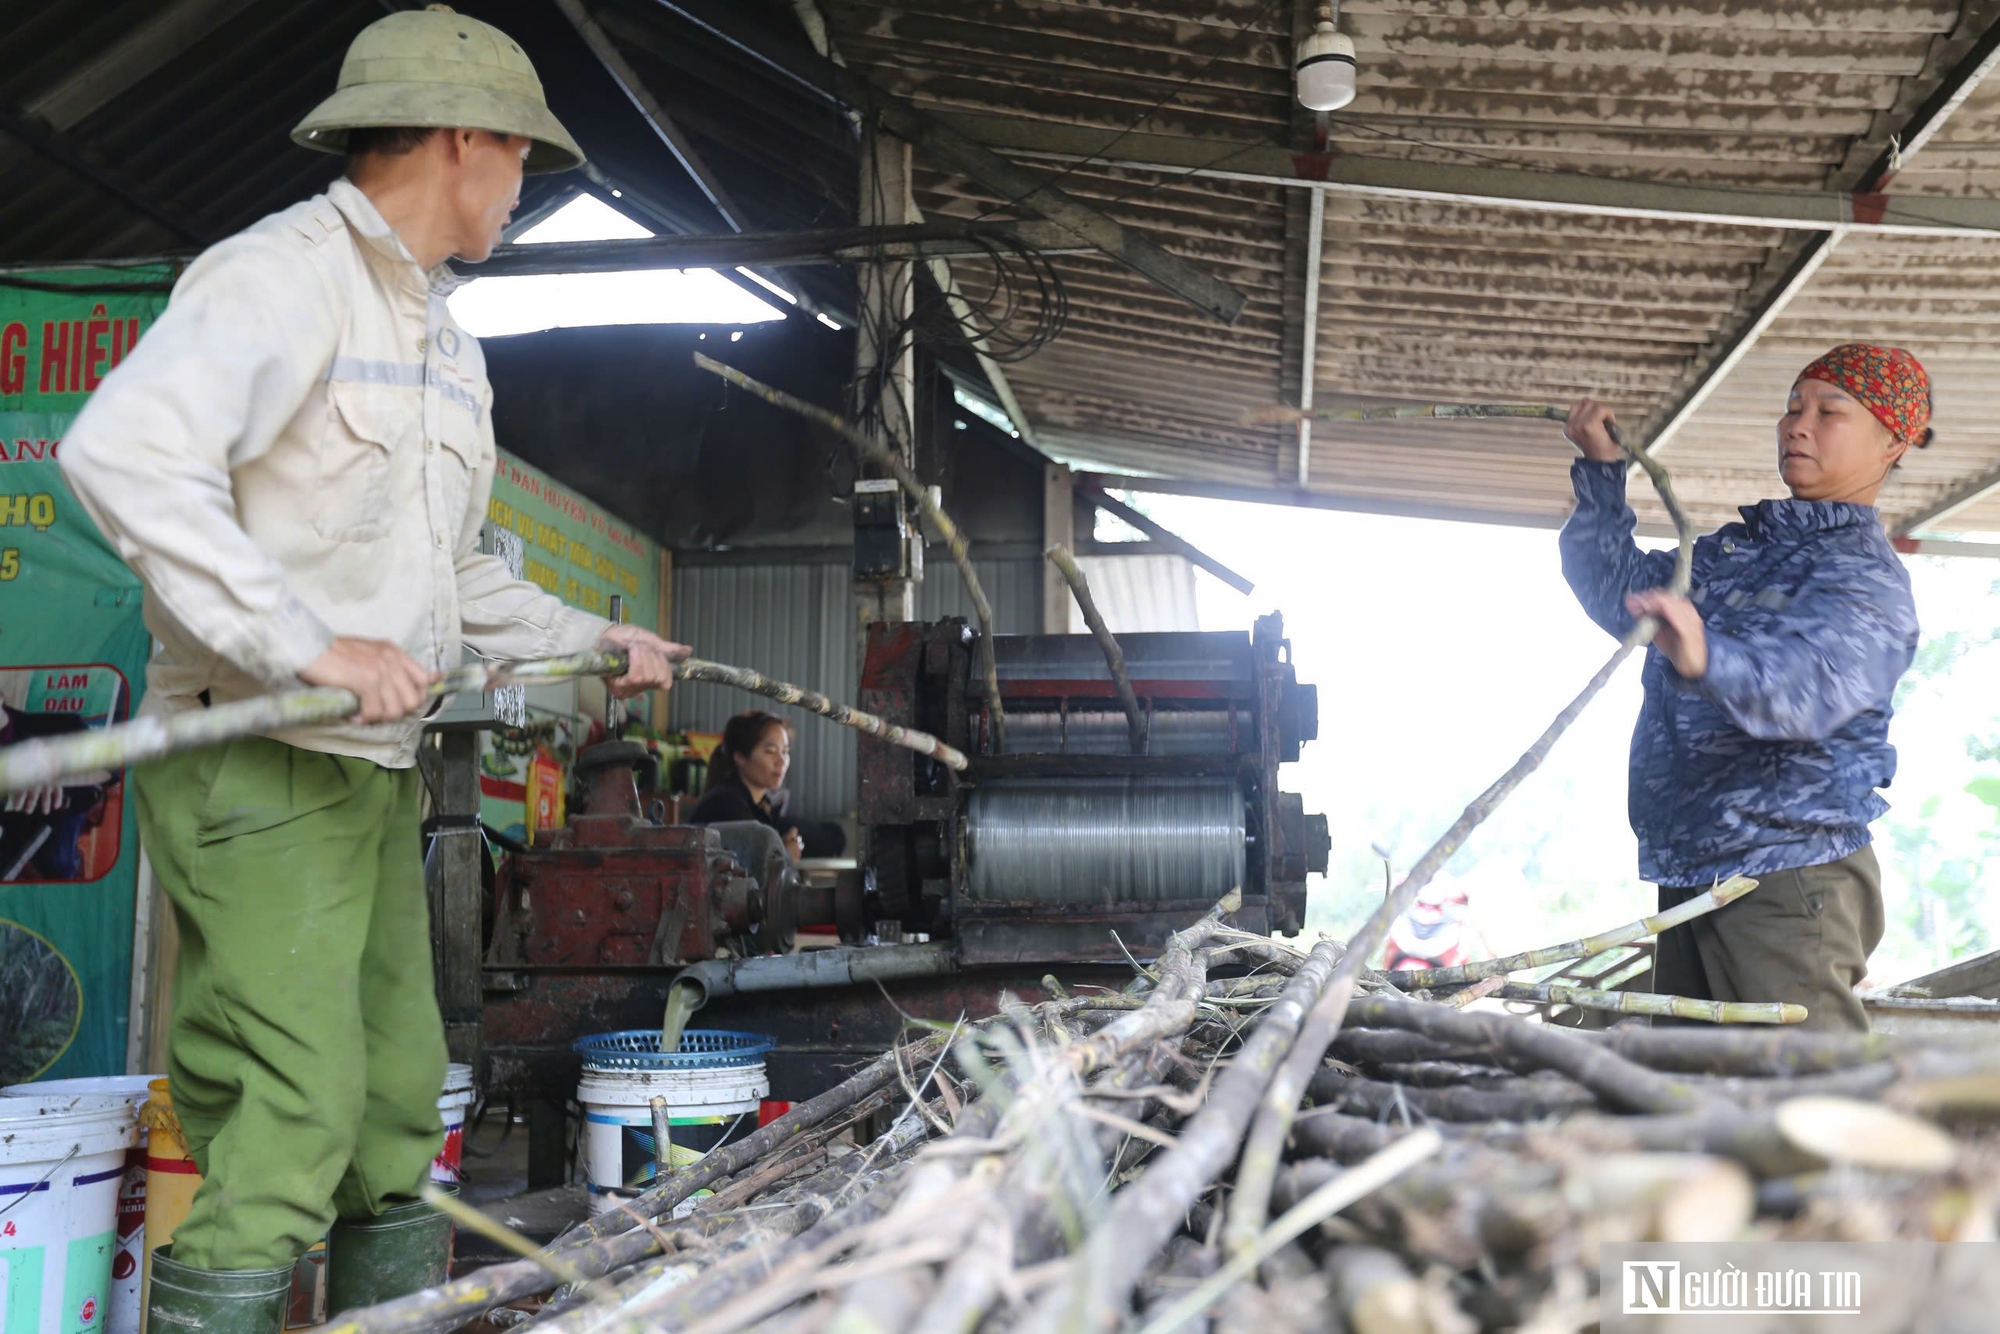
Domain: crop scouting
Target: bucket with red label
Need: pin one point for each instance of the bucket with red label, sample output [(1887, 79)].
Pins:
[(62, 1163), (120, 1309), (454, 1105)]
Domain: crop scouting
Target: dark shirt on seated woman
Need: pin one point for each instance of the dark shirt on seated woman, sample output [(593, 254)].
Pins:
[(730, 800)]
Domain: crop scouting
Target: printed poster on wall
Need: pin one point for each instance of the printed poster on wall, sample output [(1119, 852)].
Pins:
[(73, 654), (553, 537)]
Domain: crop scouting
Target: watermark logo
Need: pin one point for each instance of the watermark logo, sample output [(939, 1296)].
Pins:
[(1668, 1287), (1652, 1287)]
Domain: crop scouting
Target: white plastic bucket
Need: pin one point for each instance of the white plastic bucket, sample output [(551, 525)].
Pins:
[(712, 1098), (62, 1160), (128, 1265), (453, 1105)]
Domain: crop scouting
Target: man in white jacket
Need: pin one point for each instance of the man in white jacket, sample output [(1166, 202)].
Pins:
[(296, 461)]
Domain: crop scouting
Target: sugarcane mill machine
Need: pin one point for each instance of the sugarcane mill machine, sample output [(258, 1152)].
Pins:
[(1061, 836), (1060, 845)]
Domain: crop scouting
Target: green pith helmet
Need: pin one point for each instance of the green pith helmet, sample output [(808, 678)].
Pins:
[(434, 67)]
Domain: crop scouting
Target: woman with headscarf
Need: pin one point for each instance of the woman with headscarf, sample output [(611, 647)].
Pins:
[(1765, 728)]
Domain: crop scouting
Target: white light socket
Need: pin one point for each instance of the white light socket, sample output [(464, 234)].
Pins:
[(1325, 70)]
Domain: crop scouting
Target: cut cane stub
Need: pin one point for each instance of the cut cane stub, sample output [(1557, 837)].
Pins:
[(1734, 888), (1712, 1205), (1861, 1134), (1670, 1197)]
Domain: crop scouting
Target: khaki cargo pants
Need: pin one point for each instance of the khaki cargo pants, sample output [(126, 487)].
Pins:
[(307, 1053), (1802, 936)]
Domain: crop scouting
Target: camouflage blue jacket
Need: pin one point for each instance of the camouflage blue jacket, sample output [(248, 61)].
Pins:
[(1771, 760)]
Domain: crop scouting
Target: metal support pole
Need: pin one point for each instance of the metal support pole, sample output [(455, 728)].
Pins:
[(457, 919), (884, 355), (1058, 530), (1315, 232)]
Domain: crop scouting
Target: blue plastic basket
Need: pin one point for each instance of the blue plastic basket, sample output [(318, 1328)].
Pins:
[(701, 1049)]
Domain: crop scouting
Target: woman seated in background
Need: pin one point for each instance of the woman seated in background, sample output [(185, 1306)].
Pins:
[(746, 776)]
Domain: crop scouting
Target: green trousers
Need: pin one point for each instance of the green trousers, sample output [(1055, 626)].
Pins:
[(307, 1053), (1801, 936)]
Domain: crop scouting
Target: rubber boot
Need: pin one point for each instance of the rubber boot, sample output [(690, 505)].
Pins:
[(404, 1249), (183, 1299)]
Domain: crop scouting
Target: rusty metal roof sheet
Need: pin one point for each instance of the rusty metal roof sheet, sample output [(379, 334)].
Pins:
[(1426, 300), (1420, 299)]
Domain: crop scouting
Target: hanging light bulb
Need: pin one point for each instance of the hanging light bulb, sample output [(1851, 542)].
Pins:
[(1325, 69)]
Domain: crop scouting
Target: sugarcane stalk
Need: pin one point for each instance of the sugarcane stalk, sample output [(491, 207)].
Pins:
[(930, 1185), (1148, 1211), (835, 1202), (1337, 1194), (1114, 657), (1776, 1052), (1283, 416), (1513, 1100), (615, 1240), (45, 762), (1438, 1074), (699, 669), (1169, 1009), (1609, 977), (1615, 1080), (1708, 901), (879, 454), (1647, 1002)]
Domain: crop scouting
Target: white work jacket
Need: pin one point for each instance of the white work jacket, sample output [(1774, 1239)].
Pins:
[(301, 448)]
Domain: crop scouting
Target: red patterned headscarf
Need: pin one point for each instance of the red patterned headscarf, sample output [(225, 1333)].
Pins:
[(1888, 381)]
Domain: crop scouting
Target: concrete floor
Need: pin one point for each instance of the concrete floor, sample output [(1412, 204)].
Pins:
[(497, 1185)]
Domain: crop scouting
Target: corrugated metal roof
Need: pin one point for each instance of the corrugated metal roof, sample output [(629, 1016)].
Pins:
[(1939, 297), (1426, 300), (1420, 299)]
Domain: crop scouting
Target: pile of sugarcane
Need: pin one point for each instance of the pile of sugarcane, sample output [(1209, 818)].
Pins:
[(1106, 1159)]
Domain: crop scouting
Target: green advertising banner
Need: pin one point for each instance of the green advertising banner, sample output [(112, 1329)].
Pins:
[(553, 537), (73, 655), (73, 652)]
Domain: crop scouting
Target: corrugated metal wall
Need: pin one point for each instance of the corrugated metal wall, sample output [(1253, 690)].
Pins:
[(1013, 589), (793, 621), (789, 621), (1138, 594)]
